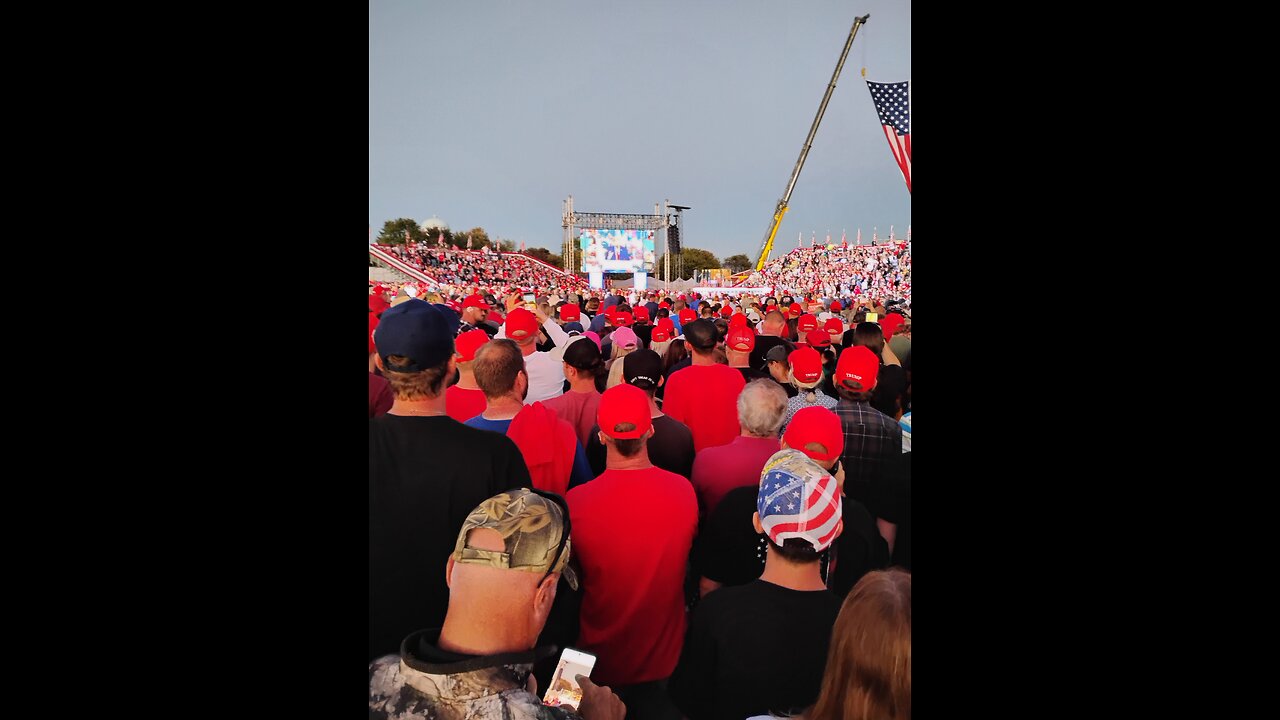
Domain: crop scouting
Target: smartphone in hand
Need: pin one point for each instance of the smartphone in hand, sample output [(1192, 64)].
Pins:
[(564, 689)]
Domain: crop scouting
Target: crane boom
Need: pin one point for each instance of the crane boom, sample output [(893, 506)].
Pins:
[(767, 246)]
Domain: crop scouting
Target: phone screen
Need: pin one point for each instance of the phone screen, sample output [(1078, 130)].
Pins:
[(872, 317), (564, 689)]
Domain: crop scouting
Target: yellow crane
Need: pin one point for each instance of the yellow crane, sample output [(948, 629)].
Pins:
[(781, 210)]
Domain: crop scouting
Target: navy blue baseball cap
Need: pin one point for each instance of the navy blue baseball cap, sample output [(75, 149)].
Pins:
[(418, 330)]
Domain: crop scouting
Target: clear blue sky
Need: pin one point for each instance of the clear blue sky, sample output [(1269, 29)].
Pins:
[(492, 112)]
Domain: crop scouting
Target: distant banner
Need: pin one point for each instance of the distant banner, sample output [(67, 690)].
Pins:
[(641, 281), (596, 279)]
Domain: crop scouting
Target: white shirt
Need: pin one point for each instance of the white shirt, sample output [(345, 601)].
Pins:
[(545, 369)]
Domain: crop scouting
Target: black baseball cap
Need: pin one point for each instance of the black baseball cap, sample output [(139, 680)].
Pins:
[(642, 368)]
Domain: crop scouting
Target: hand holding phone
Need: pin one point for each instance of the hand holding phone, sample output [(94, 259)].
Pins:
[(529, 301), (564, 688)]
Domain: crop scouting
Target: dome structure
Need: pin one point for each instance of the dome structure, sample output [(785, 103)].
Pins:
[(434, 223)]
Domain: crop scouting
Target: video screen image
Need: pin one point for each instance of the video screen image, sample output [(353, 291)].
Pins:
[(616, 251)]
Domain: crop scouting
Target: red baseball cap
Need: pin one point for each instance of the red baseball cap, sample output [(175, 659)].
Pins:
[(741, 339), (475, 301), (816, 425), (641, 312), (806, 364), (727, 310), (687, 316), (833, 326), (624, 404), (468, 343), (377, 303), (738, 320), (571, 313), (622, 319), (664, 305), (667, 324), (818, 339), (660, 334), (836, 306), (806, 323), (521, 324), (891, 323), (795, 310), (494, 317), (858, 364)]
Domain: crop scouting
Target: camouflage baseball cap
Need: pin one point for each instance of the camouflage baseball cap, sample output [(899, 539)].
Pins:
[(532, 527)]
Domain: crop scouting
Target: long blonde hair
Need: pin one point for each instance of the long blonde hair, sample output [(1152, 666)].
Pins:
[(615, 365), (868, 675)]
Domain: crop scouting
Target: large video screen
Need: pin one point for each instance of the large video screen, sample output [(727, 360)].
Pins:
[(616, 251)]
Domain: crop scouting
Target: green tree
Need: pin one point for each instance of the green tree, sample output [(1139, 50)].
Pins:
[(694, 259), (737, 263), (479, 239), (393, 232), (544, 255)]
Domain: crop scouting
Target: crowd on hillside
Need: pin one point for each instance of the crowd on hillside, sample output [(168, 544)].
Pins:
[(856, 270), (707, 495), (486, 267)]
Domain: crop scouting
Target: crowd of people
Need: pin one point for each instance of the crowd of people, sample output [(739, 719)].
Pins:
[(486, 267), (837, 270), (710, 495)]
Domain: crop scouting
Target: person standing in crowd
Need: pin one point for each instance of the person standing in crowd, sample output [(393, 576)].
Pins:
[(891, 378), (633, 528), (548, 444), (474, 311), (805, 374), (671, 446), (761, 407), (872, 440), (868, 672), (464, 399), (771, 336), (739, 343), (418, 456), (583, 368), (859, 549), (704, 396), (502, 577), (729, 669), (545, 369)]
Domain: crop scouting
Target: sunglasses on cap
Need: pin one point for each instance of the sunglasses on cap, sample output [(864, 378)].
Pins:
[(564, 536)]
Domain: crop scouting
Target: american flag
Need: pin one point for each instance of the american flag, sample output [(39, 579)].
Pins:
[(790, 508), (894, 108)]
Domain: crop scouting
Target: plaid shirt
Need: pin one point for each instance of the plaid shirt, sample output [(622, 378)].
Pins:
[(871, 441)]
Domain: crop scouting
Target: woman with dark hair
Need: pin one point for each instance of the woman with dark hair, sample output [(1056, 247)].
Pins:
[(584, 371), (676, 352)]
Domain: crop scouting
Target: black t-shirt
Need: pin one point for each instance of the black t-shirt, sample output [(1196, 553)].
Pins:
[(890, 384), (426, 474), (670, 448), (750, 374), (765, 343), (894, 505), (644, 332), (727, 548), (752, 650), (859, 549)]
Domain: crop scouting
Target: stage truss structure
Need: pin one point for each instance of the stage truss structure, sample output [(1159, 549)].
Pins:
[(661, 219)]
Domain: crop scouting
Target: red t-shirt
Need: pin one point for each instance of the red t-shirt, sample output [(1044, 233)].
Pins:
[(577, 409), (718, 470), (705, 398), (380, 395), (463, 404), (632, 530)]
